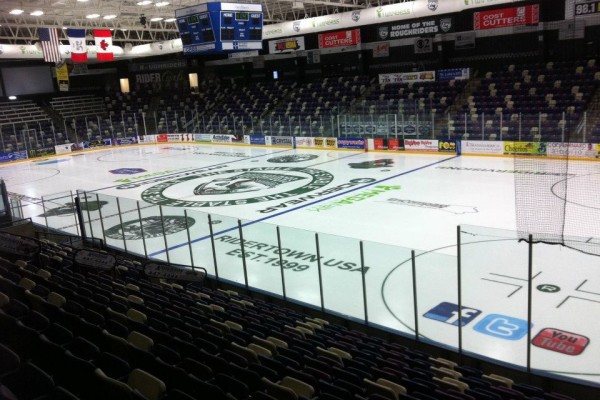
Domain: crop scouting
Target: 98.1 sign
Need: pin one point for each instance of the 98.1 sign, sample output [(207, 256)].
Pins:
[(586, 8), (578, 8)]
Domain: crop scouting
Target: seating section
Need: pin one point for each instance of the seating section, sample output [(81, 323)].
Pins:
[(529, 102), (69, 334), (24, 124), (72, 107)]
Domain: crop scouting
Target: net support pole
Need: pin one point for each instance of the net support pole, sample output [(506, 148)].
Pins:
[(459, 287), (415, 297), (243, 254), (212, 245), (364, 282), (529, 300), (320, 274), (281, 264)]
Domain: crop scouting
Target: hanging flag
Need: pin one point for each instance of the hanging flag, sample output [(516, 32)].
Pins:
[(62, 76), (50, 44), (77, 44), (103, 39)]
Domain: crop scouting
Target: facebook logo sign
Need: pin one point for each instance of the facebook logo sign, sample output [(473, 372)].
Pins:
[(448, 313), (502, 326)]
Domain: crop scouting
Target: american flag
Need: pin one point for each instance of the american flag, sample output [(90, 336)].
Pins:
[(50, 44)]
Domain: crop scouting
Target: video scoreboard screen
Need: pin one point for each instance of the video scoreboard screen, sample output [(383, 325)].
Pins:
[(220, 27)]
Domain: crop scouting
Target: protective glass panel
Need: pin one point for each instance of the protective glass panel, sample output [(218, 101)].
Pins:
[(341, 272), (151, 230), (228, 249), (437, 297), (175, 225), (494, 269), (199, 232), (300, 266), (110, 221), (389, 282), (565, 307), (129, 229), (59, 212), (262, 257)]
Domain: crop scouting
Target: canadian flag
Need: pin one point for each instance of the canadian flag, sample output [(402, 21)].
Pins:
[(77, 45), (104, 50)]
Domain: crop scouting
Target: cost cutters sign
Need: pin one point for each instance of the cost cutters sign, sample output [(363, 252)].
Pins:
[(501, 18), (339, 39)]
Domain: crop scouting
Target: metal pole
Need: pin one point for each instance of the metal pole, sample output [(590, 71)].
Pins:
[(101, 219), (243, 253), (319, 269), (142, 229), (45, 214), (459, 280), (162, 224), (75, 214), (212, 242), (187, 229), (529, 301), (415, 297), (281, 264), (364, 283), (121, 221)]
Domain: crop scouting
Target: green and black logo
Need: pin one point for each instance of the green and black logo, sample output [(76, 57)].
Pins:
[(69, 208), (227, 188), (381, 163), (294, 158), (150, 226), (245, 182)]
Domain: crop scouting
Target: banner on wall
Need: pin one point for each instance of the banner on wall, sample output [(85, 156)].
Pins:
[(464, 40), (482, 147), (62, 77), (571, 149), (304, 141), (505, 17), (532, 148), (421, 145), (257, 139), (148, 139), (454, 73), (351, 143), (581, 8), (339, 39), (423, 45), (203, 137), (13, 156), (421, 27), (400, 77), (381, 50), (286, 45)]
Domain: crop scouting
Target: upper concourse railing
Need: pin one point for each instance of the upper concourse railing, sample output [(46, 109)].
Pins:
[(361, 122)]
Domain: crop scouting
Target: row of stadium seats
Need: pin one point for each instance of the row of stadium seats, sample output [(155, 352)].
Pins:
[(69, 334)]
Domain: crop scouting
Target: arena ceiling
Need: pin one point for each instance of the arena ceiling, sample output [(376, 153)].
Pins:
[(138, 21)]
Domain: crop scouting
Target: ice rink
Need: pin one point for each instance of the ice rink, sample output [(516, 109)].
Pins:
[(331, 212)]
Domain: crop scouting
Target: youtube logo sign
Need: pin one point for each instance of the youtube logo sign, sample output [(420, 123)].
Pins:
[(561, 341)]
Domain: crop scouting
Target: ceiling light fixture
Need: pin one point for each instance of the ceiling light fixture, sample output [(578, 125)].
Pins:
[(170, 19), (111, 16), (162, 4), (156, 19), (16, 11), (82, 1), (92, 16), (144, 3), (37, 13)]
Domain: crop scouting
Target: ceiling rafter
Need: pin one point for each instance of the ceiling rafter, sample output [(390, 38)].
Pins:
[(22, 29)]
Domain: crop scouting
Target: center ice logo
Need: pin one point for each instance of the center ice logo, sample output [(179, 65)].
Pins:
[(293, 158), (381, 163), (227, 188), (246, 182)]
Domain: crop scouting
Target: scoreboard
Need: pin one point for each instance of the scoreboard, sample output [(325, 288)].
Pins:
[(220, 27)]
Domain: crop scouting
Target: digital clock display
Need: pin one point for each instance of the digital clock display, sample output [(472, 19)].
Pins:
[(589, 7), (193, 19), (242, 16)]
